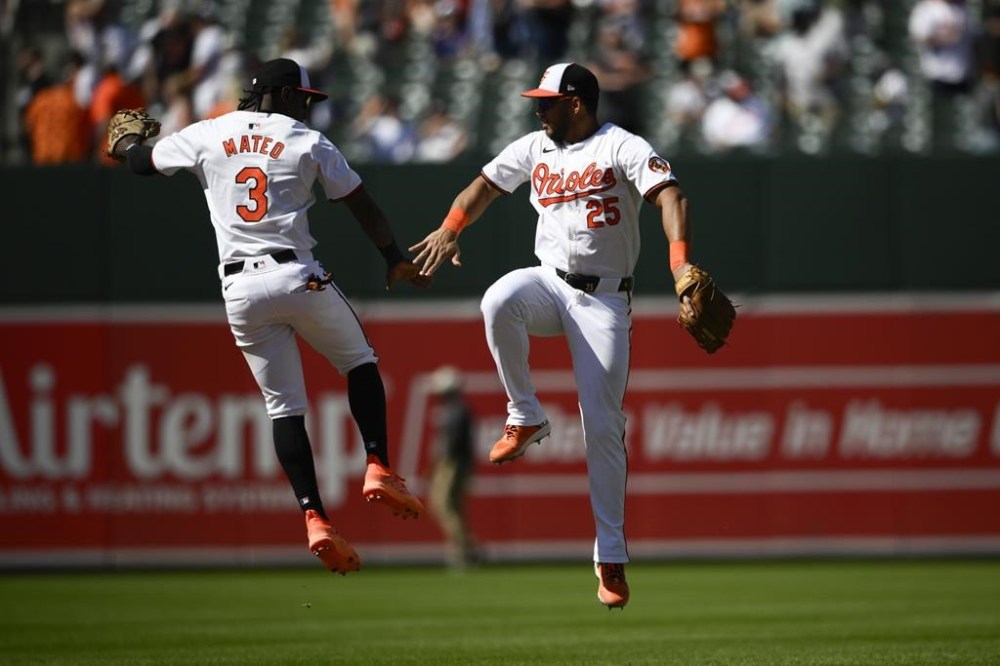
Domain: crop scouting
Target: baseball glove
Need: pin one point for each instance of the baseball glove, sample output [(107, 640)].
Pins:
[(714, 313), (128, 122)]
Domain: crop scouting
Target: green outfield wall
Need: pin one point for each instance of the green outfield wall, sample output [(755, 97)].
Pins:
[(762, 225)]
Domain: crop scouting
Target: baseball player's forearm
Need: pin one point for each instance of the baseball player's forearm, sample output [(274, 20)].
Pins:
[(673, 216), (673, 213), (371, 218), (475, 198)]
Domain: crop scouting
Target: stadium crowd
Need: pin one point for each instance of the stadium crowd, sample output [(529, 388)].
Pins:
[(763, 76)]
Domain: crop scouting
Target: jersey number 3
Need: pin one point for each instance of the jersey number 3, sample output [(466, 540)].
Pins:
[(257, 194)]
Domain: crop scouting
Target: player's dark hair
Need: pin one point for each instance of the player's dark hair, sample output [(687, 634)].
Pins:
[(252, 100)]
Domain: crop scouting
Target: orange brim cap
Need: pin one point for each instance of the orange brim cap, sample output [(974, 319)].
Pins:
[(541, 92)]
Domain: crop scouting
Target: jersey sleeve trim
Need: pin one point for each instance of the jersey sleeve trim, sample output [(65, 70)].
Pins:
[(348, 194), (492, 184), (651, 193)]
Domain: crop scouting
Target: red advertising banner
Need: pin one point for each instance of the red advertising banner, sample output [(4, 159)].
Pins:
[(830, 425)]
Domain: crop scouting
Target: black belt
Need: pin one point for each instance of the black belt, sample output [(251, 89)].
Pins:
[(588, 283), (282, 257)]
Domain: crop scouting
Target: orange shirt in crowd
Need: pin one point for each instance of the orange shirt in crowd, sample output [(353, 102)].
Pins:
[(58, 127), (696, 36), (111, 94)]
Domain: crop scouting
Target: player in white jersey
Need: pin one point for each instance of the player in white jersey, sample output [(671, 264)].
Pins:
[(587, 182), (257, 167)]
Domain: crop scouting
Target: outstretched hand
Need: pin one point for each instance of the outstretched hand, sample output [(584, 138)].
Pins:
[(408, 272), (439, 246)]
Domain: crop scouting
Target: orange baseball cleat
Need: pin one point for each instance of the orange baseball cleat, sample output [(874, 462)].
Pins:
[(612, 588), (517, 438), (331, 548), (385, 486)]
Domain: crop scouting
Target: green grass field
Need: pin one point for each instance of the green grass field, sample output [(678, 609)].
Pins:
[(797, 612)]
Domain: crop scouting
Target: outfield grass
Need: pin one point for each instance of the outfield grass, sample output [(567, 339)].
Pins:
[(839, 612)]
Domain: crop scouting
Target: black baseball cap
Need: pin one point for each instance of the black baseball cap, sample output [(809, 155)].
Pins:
[(283, 72), (566, 79)]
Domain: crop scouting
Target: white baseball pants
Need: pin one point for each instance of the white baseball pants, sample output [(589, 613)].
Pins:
[(597, 327), (267, 304)]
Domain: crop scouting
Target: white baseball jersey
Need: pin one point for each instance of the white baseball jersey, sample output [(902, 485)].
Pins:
[(587, 195), (257, 171)]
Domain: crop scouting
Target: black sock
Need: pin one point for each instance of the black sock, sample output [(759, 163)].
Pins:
[(366, 396), (291, 443)]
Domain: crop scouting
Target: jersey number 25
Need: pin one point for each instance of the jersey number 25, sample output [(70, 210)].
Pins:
[(605, 208)]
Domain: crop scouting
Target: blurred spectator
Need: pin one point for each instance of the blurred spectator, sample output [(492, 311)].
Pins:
[(112, 93), (988, 90), (686, 101), (891, 92), (497, 28), (57, 126), (758, 19), (737, 118), (454, 426), (31, 78), (314, 56), (205, 71), (344, 14), (865, 19), (812, 56), (230, 100), (696, 30), (620, 70), (178, 107), (92, 30), (170, 50), (442, 138), (942, 32), (546, 24), (448, 31), (384, 136)]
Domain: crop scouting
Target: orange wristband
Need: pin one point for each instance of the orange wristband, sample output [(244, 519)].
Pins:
[(678, 254), (456, 220)]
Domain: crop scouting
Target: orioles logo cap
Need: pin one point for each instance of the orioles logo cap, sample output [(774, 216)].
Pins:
[(283, 72), (566, 79)]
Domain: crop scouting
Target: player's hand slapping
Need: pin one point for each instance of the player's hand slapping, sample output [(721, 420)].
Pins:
[(408, 272), (439, 246)]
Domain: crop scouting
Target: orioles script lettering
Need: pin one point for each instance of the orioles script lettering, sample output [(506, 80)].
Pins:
[(573, 185)]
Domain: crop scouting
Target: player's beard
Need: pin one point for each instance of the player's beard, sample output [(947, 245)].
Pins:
[(557, 134), (557, 121)]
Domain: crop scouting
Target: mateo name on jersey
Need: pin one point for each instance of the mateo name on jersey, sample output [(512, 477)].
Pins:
[(254, 143)]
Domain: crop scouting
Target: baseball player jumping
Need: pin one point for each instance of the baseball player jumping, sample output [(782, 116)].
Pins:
[(587, 182), (257, 167)]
